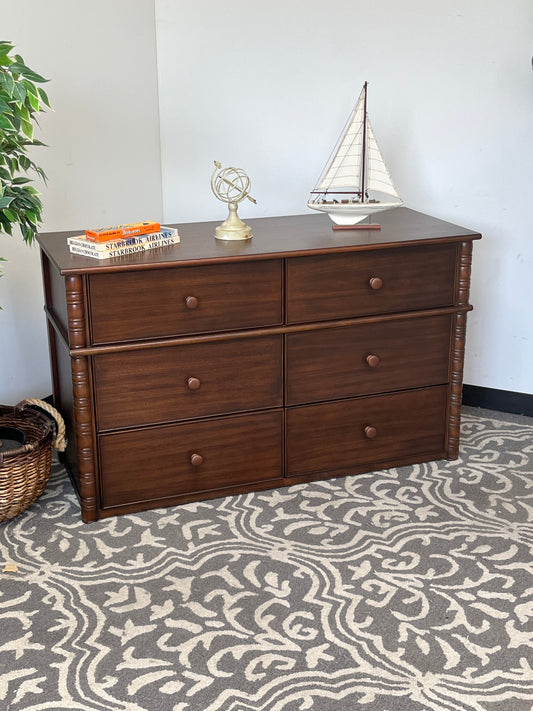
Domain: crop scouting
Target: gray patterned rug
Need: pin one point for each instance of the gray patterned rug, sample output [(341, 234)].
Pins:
[(409, 589)]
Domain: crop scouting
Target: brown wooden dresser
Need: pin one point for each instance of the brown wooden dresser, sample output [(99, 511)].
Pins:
[(211, 368)]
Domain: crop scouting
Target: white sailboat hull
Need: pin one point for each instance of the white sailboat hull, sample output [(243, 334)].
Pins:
[(352, 213)]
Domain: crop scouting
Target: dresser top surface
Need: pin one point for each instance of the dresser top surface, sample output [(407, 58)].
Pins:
[(272, 237)]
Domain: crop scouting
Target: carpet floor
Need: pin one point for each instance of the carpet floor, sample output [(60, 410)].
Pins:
[(409, 589)]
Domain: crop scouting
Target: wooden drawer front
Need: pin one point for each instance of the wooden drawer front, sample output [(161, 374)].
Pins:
[(357, 284), (154, 463), (369, 358), (332, 436), (174, 383), (171, 302)]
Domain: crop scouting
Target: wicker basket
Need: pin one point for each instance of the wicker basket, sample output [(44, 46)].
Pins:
[(24, 472)]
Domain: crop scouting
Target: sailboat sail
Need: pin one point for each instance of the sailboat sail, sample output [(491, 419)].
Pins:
[(344, 170), (378, 173)]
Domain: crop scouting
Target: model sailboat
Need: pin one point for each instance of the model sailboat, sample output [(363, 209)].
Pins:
[(356, 182)]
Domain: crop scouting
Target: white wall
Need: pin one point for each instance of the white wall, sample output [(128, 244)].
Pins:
[(267, 86), (103, 159)]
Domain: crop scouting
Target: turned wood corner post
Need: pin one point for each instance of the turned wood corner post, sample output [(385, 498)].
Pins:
[(82, 400), (52, 341), (458, 347)]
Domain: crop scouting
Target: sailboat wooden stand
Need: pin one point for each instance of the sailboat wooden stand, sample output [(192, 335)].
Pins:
[(356, 183), (358, 226)]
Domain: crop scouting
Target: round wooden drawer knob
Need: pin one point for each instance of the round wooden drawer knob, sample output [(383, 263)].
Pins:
[(193, 383), (372, 360), (370, 432), (191, 302), (196, 459), (376, 283)]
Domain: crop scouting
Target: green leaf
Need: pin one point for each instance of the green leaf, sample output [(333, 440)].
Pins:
[(15, 120), (33, 100), (32, 217), (36, 142), (27, 127), (5, 47), (5, 201), (6, 124), (5, 224), (17, 67), (8, 82), (44, 96), (19, 92), (21, 181), (24, 113), (27, 233), (11, 216), (20, 68)]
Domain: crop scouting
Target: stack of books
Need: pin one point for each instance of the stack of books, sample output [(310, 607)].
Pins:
[(122, 240)]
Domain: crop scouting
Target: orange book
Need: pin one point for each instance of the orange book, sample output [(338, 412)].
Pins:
[(118, 231)]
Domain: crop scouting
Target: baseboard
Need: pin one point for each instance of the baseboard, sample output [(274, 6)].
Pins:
[(500, 400)]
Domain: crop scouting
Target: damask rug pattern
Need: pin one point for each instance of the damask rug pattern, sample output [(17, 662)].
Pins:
[(408, 589)]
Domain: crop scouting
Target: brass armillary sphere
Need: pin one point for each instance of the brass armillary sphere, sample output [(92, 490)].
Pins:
[(231, 185)]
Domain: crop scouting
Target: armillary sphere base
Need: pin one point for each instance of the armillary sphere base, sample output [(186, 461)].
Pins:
[(233, 228)]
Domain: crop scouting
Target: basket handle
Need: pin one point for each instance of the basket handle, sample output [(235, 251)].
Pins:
[(60, 442)]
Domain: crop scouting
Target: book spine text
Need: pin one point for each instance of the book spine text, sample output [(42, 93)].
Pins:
[(122, 251), (84, 243)]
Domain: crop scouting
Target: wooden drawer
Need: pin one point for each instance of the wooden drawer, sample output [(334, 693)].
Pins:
[(335, 436), (154, 463), (171, 302), (167, 384), (369, 358), (363, 283)]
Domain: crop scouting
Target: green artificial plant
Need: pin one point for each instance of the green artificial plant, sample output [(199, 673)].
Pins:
[(20, 102)]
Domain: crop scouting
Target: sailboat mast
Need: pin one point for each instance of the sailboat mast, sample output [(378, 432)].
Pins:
[(363, 161)]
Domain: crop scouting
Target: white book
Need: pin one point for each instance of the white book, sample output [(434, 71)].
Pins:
[(123, 251), (82, 242)]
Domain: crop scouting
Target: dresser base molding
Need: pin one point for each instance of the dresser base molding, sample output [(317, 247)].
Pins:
[(211, 369), (269, 484)]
